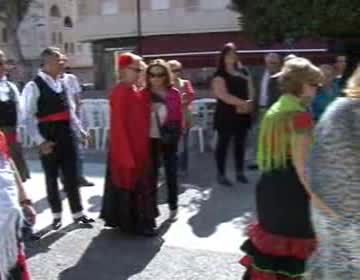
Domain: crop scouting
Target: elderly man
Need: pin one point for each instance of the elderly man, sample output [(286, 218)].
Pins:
[(268, 95), (49, 115)]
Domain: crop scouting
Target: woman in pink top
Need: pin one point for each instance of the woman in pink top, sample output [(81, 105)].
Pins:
[(166, 126)]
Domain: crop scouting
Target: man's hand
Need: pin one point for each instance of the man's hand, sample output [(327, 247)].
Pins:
[(84, 137), (47, 147)]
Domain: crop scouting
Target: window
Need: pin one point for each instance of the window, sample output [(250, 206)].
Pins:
[(192, 5), (160, 4), (80, 48), (214, 4), (66, 47), (68, 22), (53, 38), (60, 38), (109, 7), (72, 48), (4, 35), (55, 11)]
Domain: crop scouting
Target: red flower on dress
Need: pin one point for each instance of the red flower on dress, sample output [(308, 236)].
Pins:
[(4, 150), (303, 120)]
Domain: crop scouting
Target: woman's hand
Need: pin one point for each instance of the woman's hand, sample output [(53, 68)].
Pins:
[(246, 108), (30, 213)]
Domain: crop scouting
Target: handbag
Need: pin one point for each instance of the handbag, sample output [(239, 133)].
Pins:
[(169, 133)]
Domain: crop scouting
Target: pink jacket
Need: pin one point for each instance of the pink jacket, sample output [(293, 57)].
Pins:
[(174, 106)]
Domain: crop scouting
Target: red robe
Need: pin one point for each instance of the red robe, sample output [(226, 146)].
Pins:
[(129, 136)]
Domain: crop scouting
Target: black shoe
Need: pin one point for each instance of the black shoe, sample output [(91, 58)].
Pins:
[(56, 224), (253, 166), (222, 180), (242, 179), (84, 220), (85, 183)]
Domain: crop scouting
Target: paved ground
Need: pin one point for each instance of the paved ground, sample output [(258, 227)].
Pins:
[(202, 244)]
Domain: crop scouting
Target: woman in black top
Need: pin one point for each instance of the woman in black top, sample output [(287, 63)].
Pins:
[(233, 88)]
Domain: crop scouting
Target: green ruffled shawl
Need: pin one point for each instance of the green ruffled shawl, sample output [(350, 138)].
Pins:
[(278, 133)]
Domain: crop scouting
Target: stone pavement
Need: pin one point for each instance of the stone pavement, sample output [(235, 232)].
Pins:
[(202, 244)]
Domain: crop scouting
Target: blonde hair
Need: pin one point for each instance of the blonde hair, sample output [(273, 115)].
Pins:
[(296, 72), (353, 84), (175, 63)]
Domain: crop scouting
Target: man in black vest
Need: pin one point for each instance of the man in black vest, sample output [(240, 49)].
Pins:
[(49, 113)]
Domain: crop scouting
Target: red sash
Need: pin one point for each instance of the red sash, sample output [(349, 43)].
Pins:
[(63, 116), (11, 137)]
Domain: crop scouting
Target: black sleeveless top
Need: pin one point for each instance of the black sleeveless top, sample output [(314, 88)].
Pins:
[(8, 110), (226, 118)]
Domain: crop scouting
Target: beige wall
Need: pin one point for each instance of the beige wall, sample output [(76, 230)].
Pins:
[(176, 20)]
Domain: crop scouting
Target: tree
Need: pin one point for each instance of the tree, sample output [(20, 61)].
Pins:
[(11, 14), (280, 20)]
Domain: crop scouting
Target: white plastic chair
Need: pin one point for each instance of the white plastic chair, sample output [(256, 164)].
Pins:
[(106, 128), (92, 119)]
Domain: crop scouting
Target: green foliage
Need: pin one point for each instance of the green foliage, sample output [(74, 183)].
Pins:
[(277, 20)]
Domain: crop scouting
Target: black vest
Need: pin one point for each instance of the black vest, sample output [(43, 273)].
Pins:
[(8, 114), (50, 102)]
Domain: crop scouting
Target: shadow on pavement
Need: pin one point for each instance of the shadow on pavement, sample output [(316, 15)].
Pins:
[(113, 255), (215, 204), (48, 237)]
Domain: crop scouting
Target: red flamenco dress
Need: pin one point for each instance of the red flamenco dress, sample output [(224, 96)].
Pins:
[(129, 201), (283, 239)]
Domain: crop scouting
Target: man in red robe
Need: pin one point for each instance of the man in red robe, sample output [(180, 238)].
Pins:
[(129, 201)]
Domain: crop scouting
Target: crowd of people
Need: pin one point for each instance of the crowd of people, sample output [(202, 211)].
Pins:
[(305, 119)]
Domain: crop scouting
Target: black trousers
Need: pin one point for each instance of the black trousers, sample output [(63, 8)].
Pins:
[(63, 158), (224, 139), (167, 154)]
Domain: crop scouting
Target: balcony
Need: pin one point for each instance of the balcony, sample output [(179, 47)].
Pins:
[(174, 21)]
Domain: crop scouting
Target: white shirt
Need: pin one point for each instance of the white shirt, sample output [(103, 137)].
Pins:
[(72, 84), (263, 99), (161, 111), (5, 88), (31, 94)]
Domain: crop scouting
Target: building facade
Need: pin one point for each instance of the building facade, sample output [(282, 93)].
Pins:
[(153, 28), (51, 23)]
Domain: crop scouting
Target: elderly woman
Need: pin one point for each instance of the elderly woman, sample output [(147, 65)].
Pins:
[(327, 93), (12, 197), (128, 202), (334, 170), (283, 239)]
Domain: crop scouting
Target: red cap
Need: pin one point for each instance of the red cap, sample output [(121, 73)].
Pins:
[(125, 59)]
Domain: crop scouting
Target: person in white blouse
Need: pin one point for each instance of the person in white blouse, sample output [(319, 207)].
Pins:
[(10, 117), (73, 88), (49, 116)]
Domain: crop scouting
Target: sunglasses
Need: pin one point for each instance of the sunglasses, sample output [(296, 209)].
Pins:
[(137, 70), (176, 70), (157, 75)]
